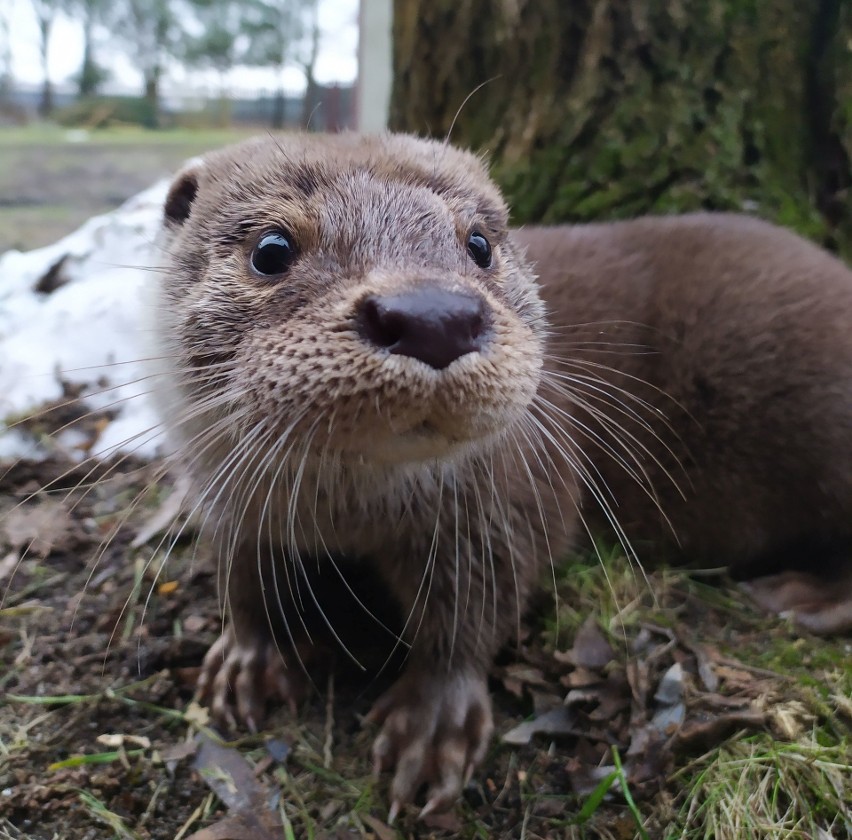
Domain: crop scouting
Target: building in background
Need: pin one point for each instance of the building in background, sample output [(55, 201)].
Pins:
[(373, 86)]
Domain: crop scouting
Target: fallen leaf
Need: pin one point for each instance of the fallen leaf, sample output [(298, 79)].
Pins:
[(705, 659), (165, 516), (443, 822), (579, 677), (178, 752), (667, 719), (9, 563), (38, 529), (252, 805), (383, 830), (558, 721), (591, 649), (231, 828), (697, 735), (194, 623), (670, 688)]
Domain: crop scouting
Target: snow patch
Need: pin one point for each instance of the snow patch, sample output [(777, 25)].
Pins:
[(89, 332)]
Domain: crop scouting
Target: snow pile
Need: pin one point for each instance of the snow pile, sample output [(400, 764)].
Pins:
[(72, 313)]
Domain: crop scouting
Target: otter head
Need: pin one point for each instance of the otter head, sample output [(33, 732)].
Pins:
[(355, 296)]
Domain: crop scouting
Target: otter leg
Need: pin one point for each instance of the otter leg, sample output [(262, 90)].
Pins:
[(436, 721), (247, 666)]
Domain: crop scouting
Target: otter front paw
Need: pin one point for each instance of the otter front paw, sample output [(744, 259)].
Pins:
[(435, 730), (239, 676)]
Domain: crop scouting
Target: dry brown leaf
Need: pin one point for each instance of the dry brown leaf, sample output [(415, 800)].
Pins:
[(233, 780), (165, 516), (232, 828), (697, 735), (443, 822), (383, 830), (38, 529), (590, 648), (558, 721), (9, 563), (580, 677), (519, 675)]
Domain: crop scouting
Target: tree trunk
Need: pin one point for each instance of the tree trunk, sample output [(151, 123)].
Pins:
[(6, 80), (45, 105), (90, 74), (279, 102), (152, 94), (612, 108), (309, 103)]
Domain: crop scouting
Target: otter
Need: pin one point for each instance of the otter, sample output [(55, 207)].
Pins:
[(367, 369)]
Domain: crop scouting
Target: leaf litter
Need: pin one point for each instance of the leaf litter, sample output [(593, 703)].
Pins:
[(100, 648)]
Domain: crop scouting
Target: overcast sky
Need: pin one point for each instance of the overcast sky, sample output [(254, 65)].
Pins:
[(337, 60)]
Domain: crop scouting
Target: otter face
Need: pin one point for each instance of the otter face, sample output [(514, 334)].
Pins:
[(356, 295)]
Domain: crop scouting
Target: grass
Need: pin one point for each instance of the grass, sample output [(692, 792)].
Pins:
[(48, 134), (64, 684), (794, 782), (759, 787), (53, 179)]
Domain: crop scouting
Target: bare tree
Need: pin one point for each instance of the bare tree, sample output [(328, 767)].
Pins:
[(220, 27), (277, 31), (90, 13), (6, 80), (45, 12), (151, 30), (311, 53)]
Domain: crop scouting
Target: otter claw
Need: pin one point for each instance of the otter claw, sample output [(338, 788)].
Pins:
[(393, 813), (236, 680), (433, 732), (427, 808)]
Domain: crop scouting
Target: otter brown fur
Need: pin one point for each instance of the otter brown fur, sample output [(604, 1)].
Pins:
[(364, 373)]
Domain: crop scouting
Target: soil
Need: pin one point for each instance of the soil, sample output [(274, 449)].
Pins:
[(101, 640)]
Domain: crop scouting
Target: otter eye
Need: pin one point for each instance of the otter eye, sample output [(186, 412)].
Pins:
[(480, 249), (273, 254)]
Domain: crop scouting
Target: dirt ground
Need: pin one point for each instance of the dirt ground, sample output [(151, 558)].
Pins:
[(100, 643)]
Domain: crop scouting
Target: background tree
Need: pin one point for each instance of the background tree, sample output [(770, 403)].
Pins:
[(310, 54), (276, 31), (152, 32), (90, 13), (611, 108), (220, 26), (6, 79), (45, 12)]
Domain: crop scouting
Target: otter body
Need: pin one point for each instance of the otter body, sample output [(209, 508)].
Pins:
[(723, 346), (365, 372)]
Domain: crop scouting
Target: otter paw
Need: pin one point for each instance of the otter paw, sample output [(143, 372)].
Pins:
[(435, 730), (238, 677)]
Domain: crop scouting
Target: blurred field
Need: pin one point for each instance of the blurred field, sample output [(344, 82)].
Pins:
[(52, 179)]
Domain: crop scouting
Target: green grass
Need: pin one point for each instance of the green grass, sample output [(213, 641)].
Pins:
[(47, 134), (52, 183), (762, 788)]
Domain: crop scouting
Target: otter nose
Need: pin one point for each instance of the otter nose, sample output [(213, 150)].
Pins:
[(433, 325)]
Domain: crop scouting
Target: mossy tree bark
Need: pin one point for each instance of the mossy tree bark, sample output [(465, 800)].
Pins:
[(611, 108)]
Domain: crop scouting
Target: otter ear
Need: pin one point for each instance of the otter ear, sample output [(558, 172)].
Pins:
[(182, 195)]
